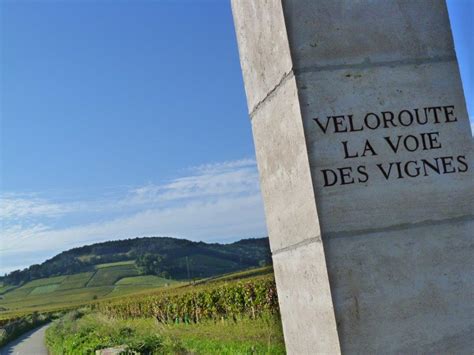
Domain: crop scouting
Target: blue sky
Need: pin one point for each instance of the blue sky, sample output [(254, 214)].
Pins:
[(128, 118)]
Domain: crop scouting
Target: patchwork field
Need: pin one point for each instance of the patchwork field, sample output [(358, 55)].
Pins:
[(108, 280), (118, 263), (76, 281), (5, 288), (109, 275)]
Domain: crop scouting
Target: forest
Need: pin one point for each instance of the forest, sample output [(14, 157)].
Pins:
[(179, 259)]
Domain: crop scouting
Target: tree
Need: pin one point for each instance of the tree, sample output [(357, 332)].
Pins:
[(150, 264)]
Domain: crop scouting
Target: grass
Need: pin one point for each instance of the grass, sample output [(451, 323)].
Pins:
[(5, 288), (247, 336), (111, 274), (72, 291), (76, 281), (118, 263), (53, 300), (44, 289), (55, 293), (46, 281), (129, 285), (18, 293), (144, 280), (75, 334), (17, 327)]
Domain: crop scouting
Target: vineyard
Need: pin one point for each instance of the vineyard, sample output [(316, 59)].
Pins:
[(68, 291), (231, 313), (108, 275), (234, 313), (223, 300)]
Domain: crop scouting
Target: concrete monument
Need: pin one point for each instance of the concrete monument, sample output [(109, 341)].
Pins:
[(365, 156)]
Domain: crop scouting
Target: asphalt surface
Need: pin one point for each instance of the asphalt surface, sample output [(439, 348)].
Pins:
[(31, 343)]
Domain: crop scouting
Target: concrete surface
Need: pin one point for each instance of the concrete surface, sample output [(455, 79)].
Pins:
[(362, 206), (397, 251), (406, 290), (284, 166), (305, 299), (265, 55), (344, 32)]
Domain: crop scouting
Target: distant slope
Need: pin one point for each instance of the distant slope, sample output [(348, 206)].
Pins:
[(167, 257), (111, 280)]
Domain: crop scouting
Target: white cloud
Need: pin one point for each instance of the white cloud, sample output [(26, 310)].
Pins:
[(14, 206), (223, 166), (213, 202), (228, 178), (221, 219), (15, 236)]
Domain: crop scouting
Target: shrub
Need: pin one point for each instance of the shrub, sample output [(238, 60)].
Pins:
[(13, 328)]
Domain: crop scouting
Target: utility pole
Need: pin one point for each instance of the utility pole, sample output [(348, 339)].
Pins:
[(187, 267)]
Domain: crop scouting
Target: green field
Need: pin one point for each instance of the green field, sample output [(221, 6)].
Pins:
[(109, 275), (247, 336), (232, 314), (129, 285), (6, 288), (44, 289), (76, 281), (216, 309), (142, 280), (118, 263), (235, 313), (108, 280)]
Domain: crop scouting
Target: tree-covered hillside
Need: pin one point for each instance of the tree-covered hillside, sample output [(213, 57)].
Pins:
[(168, 257)]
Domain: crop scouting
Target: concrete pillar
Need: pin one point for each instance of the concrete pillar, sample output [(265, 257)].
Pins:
[(365, 157)]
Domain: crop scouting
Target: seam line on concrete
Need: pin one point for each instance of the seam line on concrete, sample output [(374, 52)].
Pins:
[(368, 64), (364, 65), (305, 242), (283, 80), (397, 227)]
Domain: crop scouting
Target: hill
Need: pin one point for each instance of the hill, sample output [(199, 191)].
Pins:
[(173, 258), (230, 313), (57, 292)]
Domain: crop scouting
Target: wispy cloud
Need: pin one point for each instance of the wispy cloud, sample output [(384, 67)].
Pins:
[(212, 202), (15, 206), (224, 166), (221, 179)]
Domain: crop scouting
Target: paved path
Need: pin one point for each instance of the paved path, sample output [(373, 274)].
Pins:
[(31, 343)]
